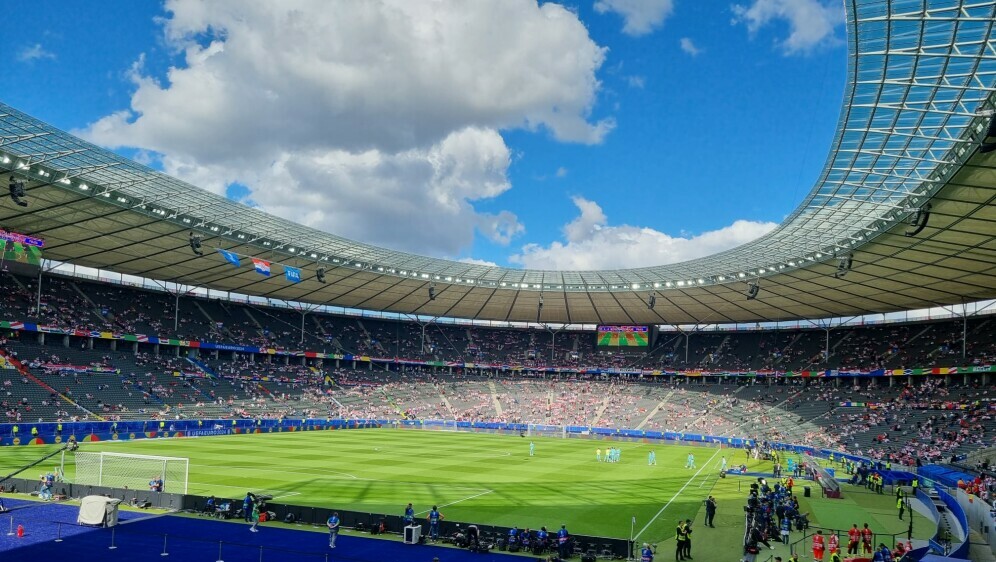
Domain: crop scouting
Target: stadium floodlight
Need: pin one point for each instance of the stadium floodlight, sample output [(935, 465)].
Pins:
[(919, 220), (432, 291), (320, 274), (753, 288), (843, 266), (16, 189), (195, 244), (652, 301), (989, 141)]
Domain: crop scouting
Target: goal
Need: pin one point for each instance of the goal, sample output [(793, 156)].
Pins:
[(122, 470), (547, 430)]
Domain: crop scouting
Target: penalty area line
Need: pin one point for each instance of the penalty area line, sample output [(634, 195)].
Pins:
[(676, 494)]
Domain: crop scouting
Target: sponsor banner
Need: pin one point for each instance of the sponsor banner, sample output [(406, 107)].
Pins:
[(60, 368), (207, 432)]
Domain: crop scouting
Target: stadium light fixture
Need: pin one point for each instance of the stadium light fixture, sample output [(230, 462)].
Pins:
[(652, 301), (432, 291)]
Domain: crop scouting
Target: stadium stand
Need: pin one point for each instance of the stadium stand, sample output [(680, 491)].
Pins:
[(915, 420)]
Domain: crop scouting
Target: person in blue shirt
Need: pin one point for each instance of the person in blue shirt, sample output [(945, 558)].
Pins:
[(333, 524), (786, 529), (532, 449), (247, 506), (409, 515), (562, 542), (434, 518), (646, 555), (542, 537), (513, 534), (883, 554)]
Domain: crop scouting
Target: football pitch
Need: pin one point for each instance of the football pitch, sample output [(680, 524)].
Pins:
[(472, 477)]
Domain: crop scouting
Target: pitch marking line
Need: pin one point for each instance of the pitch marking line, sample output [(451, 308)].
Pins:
[(458, 501), (675, 496), (281, 471)]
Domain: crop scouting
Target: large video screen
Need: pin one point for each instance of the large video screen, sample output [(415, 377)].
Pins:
[(623, 336), (20, 249)]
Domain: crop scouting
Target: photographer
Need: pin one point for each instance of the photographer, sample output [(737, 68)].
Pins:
[(473, 537), (752, 541)]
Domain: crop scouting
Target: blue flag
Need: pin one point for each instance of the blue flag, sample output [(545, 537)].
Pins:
[(230, 257), (293, 274)]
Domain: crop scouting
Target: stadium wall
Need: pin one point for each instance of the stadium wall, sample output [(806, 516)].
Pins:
[(980, 516)]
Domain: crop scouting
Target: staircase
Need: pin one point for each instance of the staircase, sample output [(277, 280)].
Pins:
[(658, 408), (94, 309), (494, 398), (601, 410)]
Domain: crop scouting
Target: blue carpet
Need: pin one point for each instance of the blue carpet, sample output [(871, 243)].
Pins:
[(141, 536)]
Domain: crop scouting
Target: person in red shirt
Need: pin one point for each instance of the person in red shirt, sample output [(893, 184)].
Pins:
[(866, 540), (853, 538), (818, 546), (833, 542)]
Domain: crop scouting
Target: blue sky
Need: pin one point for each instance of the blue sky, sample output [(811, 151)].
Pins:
[(605, 133)]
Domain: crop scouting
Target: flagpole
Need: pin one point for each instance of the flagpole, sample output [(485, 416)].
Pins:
[(632, 525)]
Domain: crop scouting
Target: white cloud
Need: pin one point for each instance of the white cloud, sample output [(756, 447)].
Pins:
[(375, 120), (591, 243), (636, 81), (640, 17), (561, 172), (33, 53), (689, 47), (811, 22), (475, 261)]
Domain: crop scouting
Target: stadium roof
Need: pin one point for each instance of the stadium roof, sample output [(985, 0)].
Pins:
[(918, 100)]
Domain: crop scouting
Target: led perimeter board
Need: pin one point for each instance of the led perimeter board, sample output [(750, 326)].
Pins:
[(623, 336)]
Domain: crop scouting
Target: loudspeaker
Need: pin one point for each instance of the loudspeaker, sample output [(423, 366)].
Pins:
[(290, 518)]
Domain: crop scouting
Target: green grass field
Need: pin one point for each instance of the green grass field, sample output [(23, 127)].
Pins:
[(482, 478)]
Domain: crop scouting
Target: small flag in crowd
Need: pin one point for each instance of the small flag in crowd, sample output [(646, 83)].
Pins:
[(262, 267), (293, 274), (230, 257)]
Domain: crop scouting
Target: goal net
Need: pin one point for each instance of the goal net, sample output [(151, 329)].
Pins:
[(136, 472)]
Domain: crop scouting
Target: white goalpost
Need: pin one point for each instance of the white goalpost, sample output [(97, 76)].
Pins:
[(123, 470)]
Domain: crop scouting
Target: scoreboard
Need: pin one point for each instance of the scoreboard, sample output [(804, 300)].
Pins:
[(623, 336)]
